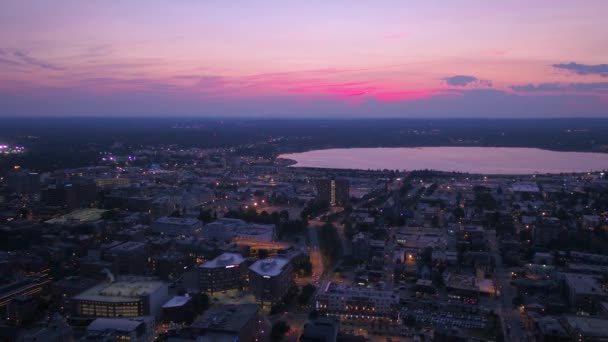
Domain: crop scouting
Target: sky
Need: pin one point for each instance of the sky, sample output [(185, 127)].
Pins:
[(313, 58)]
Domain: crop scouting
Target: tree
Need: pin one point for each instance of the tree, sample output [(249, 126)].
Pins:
[(205, 216), (201, 302), (305, 268), (279, 329), (331, 246), (485, 201), (306, 294), (458, 213)]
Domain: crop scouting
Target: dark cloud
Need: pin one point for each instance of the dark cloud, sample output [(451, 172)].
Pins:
[(584, 69), (460, 80), (22, 58), (551, 87), (27, 59), (464, 80), (537, 87)]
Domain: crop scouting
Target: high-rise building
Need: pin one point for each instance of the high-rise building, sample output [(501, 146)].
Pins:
[(334, 191), (74, 195), (270, 279), (24, 182), (226, 272)]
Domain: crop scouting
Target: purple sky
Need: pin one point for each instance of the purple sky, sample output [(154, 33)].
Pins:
[(314, 58)]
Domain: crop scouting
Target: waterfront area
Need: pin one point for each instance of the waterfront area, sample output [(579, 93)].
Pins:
[(166, 238), (477, 160)]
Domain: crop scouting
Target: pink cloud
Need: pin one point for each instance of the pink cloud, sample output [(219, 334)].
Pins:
[(396, 36)]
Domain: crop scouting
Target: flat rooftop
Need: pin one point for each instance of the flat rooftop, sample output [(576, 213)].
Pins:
[(80, 215), (271, 267), (223, 260), (525, 187), (118, 324), (128, 246), (177, 301), (226, 318), (182, 221), (584, 284), (589, 326), (121, 290)]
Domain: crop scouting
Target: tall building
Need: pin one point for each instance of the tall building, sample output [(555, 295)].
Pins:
[(270, 279), (24, 182), (335, 191), (226, 272), (77, 194), (129, 258)]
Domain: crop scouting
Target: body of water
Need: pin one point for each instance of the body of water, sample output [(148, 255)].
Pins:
[(483, 160)]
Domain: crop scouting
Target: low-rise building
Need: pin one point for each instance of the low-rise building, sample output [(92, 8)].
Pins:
[(125, 297), (585, 292), (345, 301), (228, 323), (234, 229), (177, 226), (137, 329)]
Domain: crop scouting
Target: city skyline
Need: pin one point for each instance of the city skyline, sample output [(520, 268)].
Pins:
[(340, 59)]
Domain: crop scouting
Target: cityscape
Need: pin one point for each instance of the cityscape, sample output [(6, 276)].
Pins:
[(269, 172)]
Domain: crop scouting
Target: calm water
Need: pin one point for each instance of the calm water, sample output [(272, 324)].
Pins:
[(485, 160)]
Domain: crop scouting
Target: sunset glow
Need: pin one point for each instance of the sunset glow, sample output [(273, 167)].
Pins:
[(304, 58)]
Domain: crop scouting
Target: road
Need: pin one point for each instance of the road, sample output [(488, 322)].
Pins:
[(314, 251), (511, 320)]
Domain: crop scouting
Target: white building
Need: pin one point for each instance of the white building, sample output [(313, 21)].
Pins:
[(356, 302), (176, 226), (128, 296)]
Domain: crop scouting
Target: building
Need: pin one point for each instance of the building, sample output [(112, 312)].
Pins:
[(31, 286), (74, 195), (63, 290), (334, 191), (226, 272), (321, 330), (22, 310), (129, 258), (547, 328), (339, 300), (585, 292), (586, 328), (56, 329), (228, 323), (171, 265), (24, 182), (138, 329), (178, 309), (360, 247), (226, 229), (177, 226), (270, 279), (546, 231), (111, 182), (126, 297)]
